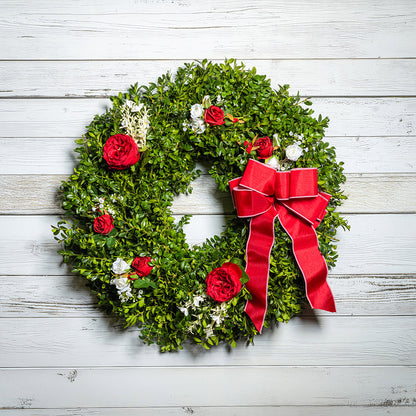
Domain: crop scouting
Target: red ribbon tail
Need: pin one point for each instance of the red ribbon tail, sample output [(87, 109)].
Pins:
[(259, 245), (310, 260)]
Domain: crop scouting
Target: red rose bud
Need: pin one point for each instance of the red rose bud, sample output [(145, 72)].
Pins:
[(214, 116), (264, 147), (223, 283), (141, 265), (235, 120), (120, 152), (249, 146), (103, 224), (132, 276)]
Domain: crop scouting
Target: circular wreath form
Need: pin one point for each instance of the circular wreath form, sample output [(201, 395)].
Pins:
[(120, 233)]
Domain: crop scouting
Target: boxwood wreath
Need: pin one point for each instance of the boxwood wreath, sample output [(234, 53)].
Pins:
[(119, 232)]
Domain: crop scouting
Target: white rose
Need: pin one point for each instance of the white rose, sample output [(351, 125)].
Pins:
[(121, 283), (273, 162), (197, 111), (120, 266), (294, 152)]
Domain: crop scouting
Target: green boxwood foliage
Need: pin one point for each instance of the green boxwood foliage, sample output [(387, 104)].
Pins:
[(141, 198)]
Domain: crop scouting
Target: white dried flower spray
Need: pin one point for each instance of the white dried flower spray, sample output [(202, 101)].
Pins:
[(135, 120)]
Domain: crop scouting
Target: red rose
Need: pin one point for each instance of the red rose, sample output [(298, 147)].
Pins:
[(214, 116), (265, 147), (120, 152), (103, 224), (141, 265), (223, 283)]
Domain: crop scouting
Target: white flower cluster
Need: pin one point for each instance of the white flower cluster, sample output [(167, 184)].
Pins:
[(102, 204), (135, 120), (197, 123), (219, 313), (216, 314), (121, 283), (192, 304)]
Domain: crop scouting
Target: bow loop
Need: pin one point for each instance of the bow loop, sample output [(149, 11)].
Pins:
[(303, 183)]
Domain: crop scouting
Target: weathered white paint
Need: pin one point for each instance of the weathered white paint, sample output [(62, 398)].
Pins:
[(384, 409), (367, 193), (68, 296), (189, 29), (359, 154), (55, 341), (307, 340), (201, 386), (321, 77), (351, 116), (29, 248)]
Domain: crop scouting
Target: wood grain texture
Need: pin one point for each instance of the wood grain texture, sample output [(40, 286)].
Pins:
[(264, 29), (360, 155), (320, 77), (303, 341), (60, 61), (386, 409), (29, 248), (67, 117), (68, 296), (189, 386), (367, 193)]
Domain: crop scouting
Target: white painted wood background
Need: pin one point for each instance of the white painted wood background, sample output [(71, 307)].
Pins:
[(59, 62)]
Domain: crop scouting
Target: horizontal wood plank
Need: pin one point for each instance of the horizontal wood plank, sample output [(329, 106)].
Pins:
[(68, 296), (53, 118), (367, 193), (53, 156), (60, 355), (387, 409), (322, 77), (376, 244), (305, 340), (207, 386), (159, 30)]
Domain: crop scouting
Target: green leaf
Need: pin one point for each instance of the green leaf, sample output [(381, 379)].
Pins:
[(144, 283), (111, 241)]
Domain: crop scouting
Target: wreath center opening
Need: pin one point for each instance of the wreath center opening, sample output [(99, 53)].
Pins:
[(207, 206)]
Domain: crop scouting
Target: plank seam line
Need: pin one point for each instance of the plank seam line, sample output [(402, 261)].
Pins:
[(351, 276), (272, 58), (302, 97), (101, 315), (191, 366), (106, 96)]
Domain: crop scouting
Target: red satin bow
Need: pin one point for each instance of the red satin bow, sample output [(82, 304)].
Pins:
[(263, 194)]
